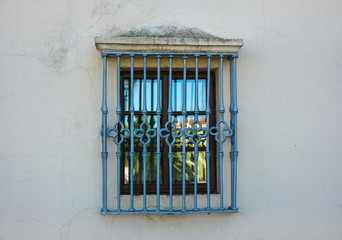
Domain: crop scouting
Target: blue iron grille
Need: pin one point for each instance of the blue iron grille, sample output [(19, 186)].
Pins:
[(170, 132)]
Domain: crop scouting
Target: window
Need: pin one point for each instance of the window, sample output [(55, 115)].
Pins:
[(172, 127), (177, 119)]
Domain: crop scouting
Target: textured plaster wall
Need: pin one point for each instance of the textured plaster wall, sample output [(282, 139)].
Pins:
[(289, 87)]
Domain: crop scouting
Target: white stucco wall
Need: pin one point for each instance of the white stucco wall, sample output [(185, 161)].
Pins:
[(289, 92)]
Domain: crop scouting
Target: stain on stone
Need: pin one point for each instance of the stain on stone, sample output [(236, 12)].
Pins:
[(105, 8), (56, 47), (168, 31)]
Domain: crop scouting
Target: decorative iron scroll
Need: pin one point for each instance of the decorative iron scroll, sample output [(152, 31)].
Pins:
[(120, 132)]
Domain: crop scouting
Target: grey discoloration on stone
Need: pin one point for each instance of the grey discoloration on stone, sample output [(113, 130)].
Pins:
[(168, 31), (167, 38), (57, 49)]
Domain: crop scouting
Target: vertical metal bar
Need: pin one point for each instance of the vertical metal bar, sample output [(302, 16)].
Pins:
[(140, 95), (221, 110), (169, 109), (118, 152), (184, 112), (104, 153), (152, 109), (158, 112), (207, 153), (169, 112), (144, 110), (131, 109), (118, 156), (152, 94), (234, 143), (175, 94), (196, 110)]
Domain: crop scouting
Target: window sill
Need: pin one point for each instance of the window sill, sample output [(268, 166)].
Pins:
[(164, 204)]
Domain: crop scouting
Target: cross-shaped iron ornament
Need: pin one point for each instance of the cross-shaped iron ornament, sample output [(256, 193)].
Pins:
[(196, 132), (166, 132), (219, 130), (145, 133), (118, 129)]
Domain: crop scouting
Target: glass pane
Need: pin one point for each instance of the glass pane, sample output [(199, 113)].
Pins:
[(138, 93), (190, 168), (126, 95), (138, 119), (190, 94), (138, 169), (177, 94)]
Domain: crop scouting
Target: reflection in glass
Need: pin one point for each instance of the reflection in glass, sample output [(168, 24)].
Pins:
[(178, 120), (151, 168), (138, 170), (190, 168), (138, 119), (177, 91), (151, 102), (151, 93)]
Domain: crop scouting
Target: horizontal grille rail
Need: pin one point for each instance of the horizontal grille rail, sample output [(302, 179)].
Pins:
[(167, 212), (199, 54), (195, 133)]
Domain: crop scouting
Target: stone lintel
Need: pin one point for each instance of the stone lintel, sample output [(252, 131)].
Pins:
[(162, 44)]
